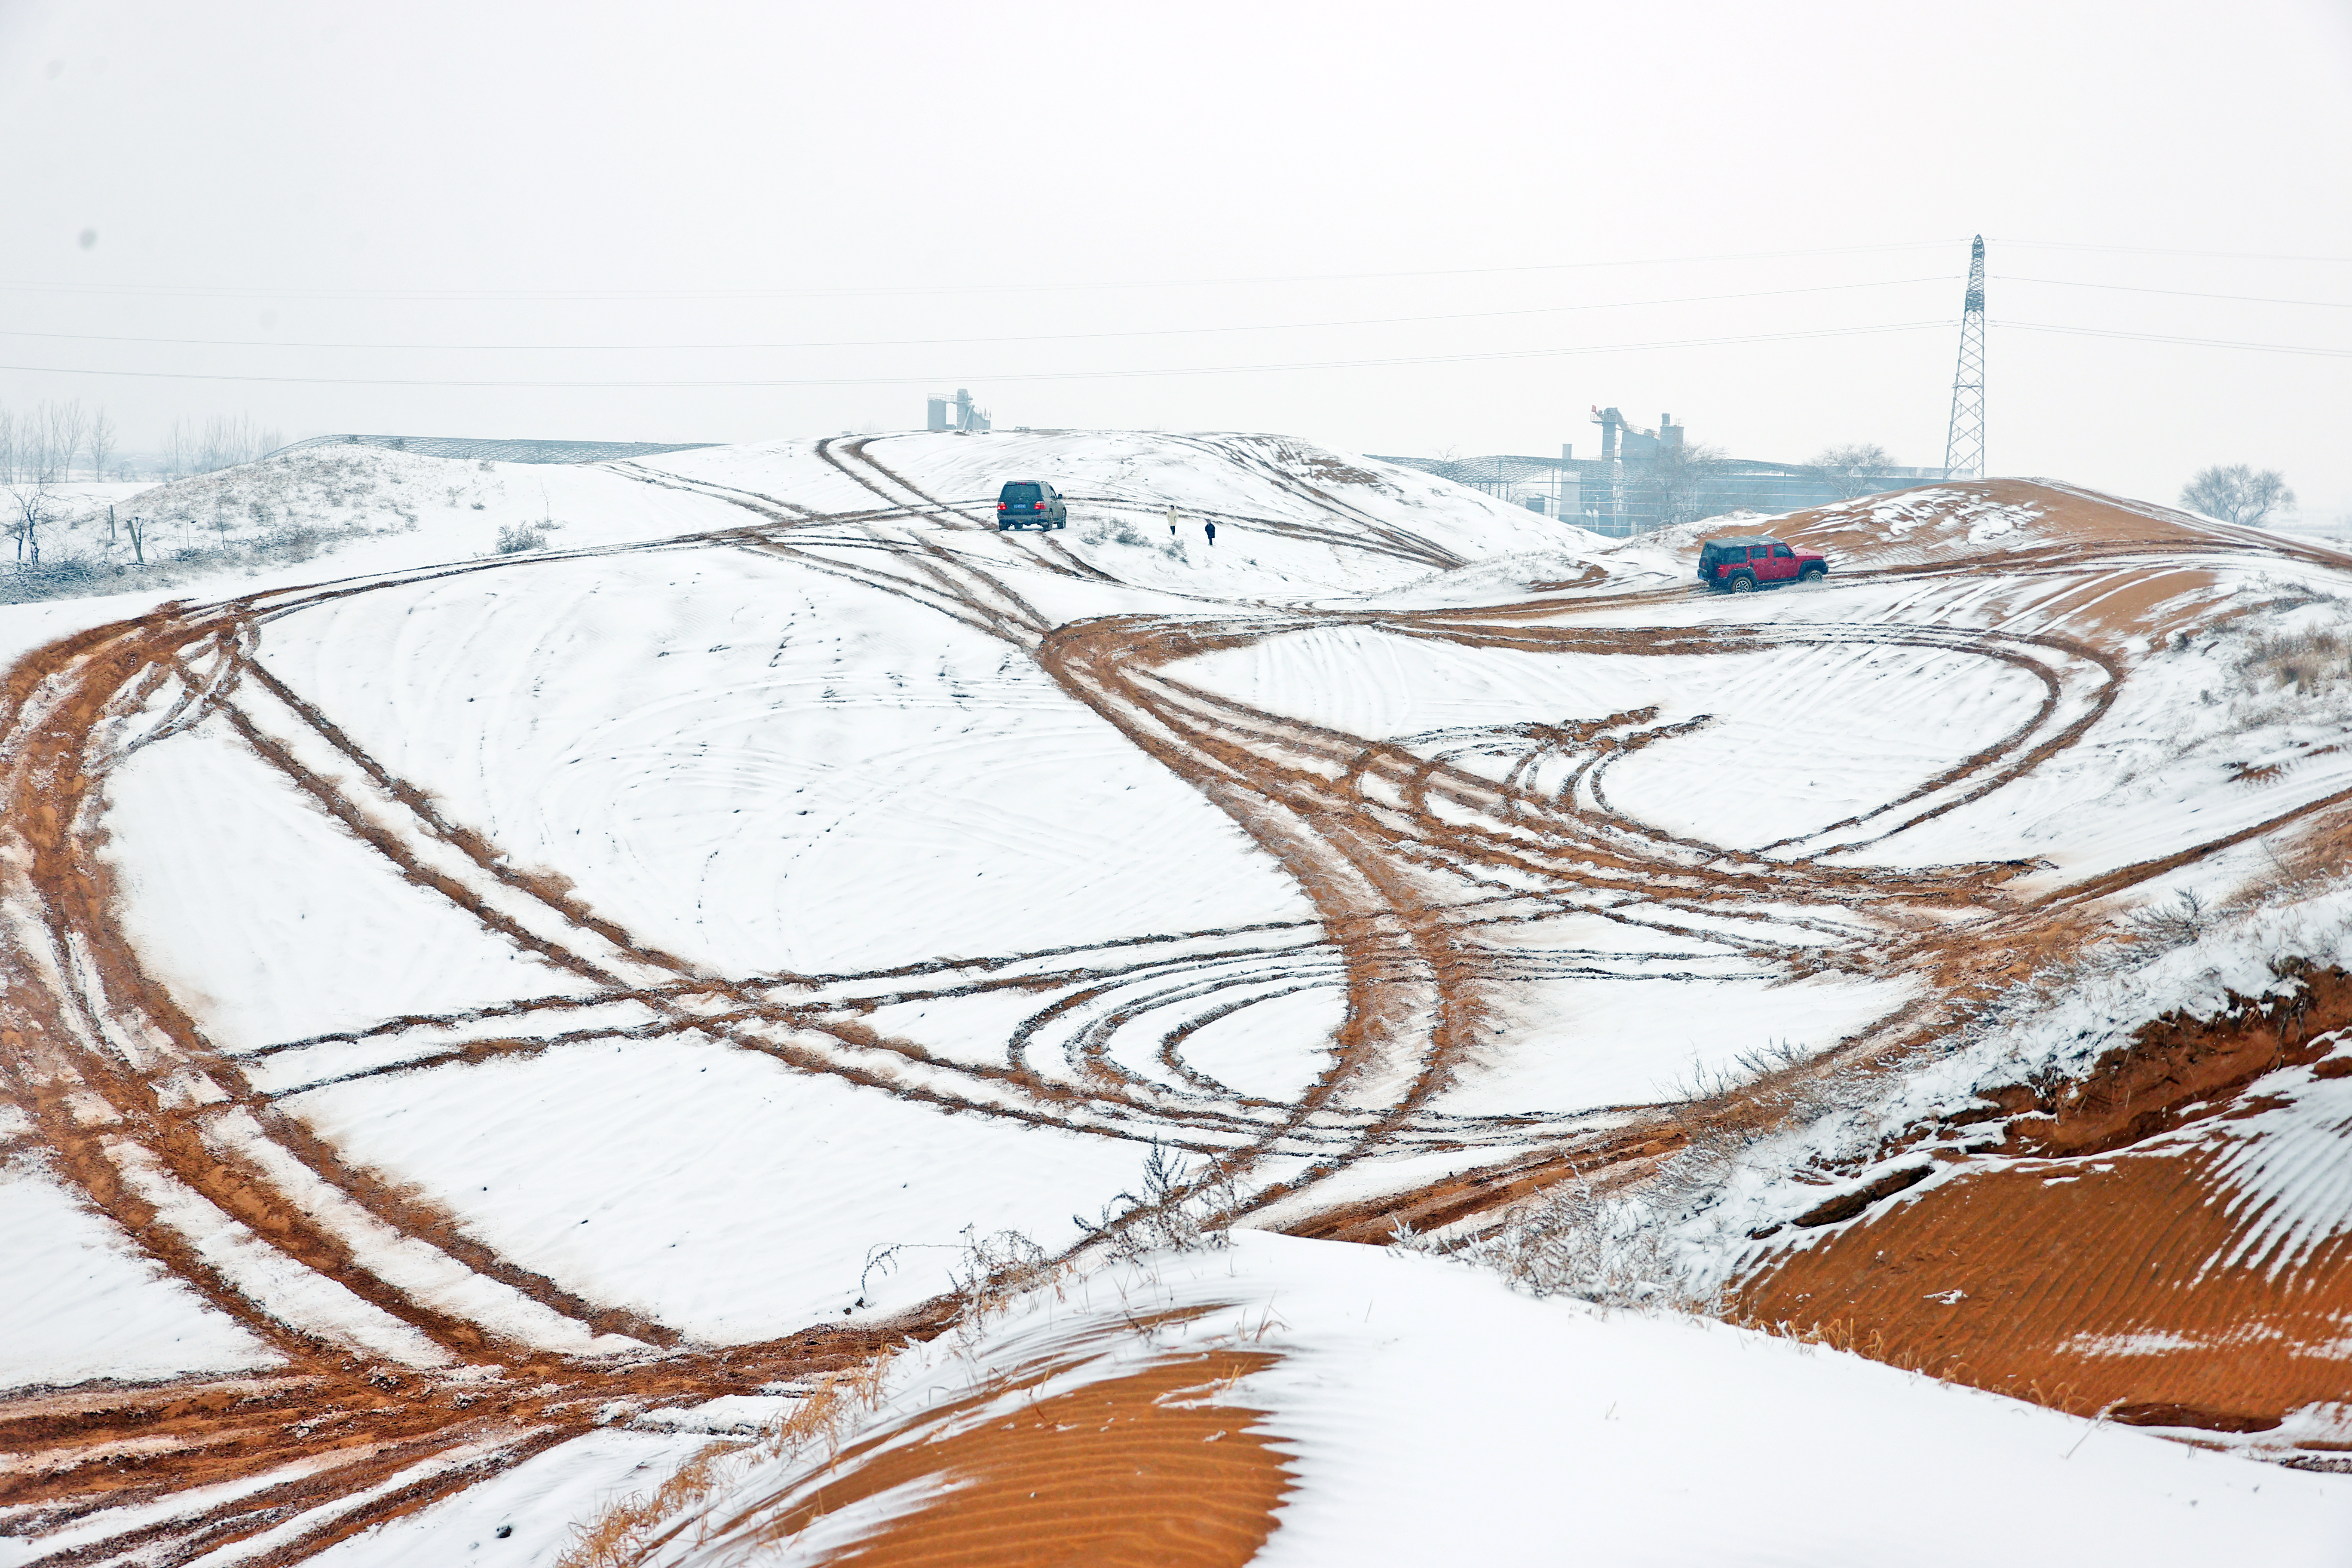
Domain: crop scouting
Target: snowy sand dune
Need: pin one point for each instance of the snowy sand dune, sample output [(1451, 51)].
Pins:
[(517, 991)]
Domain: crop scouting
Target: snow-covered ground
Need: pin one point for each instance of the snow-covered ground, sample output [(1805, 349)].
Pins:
[(1425, 1413), (660, 907)]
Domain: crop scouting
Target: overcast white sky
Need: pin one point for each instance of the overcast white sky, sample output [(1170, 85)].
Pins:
[(844, 208)]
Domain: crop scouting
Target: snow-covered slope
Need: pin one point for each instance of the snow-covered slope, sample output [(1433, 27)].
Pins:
[(631, 969), (1491, 1428)]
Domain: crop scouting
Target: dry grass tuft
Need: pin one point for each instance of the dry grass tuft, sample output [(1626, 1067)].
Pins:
[(616, 1535), (623, 1530), (2305, 663)]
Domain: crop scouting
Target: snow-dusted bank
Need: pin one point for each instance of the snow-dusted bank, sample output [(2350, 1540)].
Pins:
[(1407, 1410)]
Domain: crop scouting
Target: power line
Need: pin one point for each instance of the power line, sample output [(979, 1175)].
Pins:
[(930, 342), (37, 286), (2154, 250), (1031, 376), (2178, 293), (2008, 325)]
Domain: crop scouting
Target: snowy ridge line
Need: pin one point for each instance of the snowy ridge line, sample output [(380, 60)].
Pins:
[(1391, 541)]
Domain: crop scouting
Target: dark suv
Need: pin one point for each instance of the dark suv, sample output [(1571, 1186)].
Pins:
[(1024, 501), (1744, 564)]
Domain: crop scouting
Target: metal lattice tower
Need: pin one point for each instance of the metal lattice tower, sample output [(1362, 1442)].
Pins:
[(1964, 444)]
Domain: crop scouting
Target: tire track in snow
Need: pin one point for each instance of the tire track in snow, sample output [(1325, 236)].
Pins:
[(1410, 858)]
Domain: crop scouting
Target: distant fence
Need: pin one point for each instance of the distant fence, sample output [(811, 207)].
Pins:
[(467, 448)]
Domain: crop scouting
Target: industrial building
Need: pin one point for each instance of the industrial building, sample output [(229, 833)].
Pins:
[(957, 413), (1644, 480)]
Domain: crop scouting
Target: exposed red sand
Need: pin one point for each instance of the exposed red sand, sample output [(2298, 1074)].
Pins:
[(1146, 1470), (2087, 1277), (2072, 521)]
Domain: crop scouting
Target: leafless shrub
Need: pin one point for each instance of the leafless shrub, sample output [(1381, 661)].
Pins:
[(2175, 924), (995, 1269), (1577, 1239), (2305, 663), (514, 538), (1181, 1209), (291, 541), (1113, 529)]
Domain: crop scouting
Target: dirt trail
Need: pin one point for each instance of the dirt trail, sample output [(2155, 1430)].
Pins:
[(1421, 867)]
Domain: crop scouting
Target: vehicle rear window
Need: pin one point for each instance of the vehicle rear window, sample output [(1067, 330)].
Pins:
[(1020, 494)]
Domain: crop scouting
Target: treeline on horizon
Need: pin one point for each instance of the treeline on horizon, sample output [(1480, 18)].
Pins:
[(56, 441)]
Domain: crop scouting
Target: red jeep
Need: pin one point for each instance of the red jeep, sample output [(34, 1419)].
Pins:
[(1744, 564)]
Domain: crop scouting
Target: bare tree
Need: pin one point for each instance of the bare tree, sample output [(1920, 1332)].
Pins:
[(101, 442), (67, 424), (2237, 494), (1852, 469), (1674, 483), (216, 443), (7, 445), (30, 509), (38, 464), (230, 439)]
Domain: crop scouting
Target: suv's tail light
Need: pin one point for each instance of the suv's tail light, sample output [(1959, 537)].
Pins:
[(1002, 507), (1038, 506)]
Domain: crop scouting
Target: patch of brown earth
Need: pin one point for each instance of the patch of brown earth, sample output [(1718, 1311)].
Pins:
[(2136, 602), (2066, 521), (1145, 1470), (2074, 1264)]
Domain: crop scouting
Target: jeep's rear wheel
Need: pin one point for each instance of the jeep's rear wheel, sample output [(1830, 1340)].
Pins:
[(1743, 583)]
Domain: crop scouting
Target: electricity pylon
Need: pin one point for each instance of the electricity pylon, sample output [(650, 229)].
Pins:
[(1964, 444)]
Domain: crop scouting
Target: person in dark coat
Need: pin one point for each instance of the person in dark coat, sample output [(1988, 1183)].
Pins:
[(1211, 529)]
